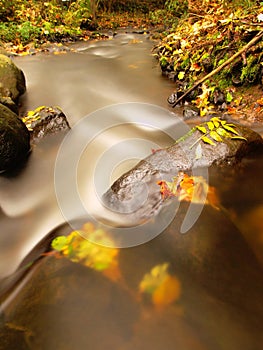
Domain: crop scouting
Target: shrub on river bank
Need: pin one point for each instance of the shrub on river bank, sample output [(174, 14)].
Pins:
[(207, 37)]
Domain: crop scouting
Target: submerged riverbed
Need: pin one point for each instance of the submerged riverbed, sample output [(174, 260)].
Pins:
[(114, 90)]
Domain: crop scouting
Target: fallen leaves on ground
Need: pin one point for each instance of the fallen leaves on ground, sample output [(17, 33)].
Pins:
[(203, 40)]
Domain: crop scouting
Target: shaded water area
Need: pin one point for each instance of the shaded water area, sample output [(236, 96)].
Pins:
[(198, 290)]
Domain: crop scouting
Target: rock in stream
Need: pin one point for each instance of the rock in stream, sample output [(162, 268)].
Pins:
[(14, 140), (188, 153)]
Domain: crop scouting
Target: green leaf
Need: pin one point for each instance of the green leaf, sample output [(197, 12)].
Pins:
[(59, 243), (238, 138), (229, 97), (208, 140), (215, 136), (230, 128), (201, 128)]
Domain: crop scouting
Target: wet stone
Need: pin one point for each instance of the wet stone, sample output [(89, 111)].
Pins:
[(14, 140), (45, 121), (167, 162)]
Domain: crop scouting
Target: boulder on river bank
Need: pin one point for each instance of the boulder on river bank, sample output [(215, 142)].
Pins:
[(14, 140), (213, 143)]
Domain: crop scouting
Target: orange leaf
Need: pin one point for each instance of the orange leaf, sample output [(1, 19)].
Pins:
[(212, 198), (260, 101), (168, 292), (165, 191)]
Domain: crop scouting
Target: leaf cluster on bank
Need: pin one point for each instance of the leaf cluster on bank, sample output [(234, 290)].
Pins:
[(206, 37)]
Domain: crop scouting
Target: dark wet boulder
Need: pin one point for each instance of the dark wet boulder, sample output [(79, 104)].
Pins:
[(14, 140), (12, 79), (45, 121), (9, 103), (220, 144)]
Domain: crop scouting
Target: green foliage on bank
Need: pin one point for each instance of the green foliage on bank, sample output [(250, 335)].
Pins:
[(23, 21)]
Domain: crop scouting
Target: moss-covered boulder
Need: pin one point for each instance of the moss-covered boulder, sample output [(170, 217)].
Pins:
[(14, 140), (12, 79)]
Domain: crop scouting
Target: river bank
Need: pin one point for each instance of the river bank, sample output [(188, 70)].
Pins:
[(191, 40)]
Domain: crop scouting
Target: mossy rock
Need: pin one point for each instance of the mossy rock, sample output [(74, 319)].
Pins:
[(12, 79), (14, 140)]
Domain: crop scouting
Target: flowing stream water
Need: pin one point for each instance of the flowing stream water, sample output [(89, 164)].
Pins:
[(96, 75), (114, 88)]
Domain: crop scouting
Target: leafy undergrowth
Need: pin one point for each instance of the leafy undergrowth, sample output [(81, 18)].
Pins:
[(205, 38), (26, 25)]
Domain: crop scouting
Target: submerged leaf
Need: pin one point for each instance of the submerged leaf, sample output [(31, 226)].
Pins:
[(59, 243), (153, 279), (82, 250), (163, 288), (168, 292)]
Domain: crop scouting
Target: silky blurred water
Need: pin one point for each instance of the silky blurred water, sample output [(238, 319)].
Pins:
[(52, 303), (96, 75)]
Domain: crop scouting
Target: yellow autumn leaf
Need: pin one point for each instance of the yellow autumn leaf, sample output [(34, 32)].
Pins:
[(181, 75), (30, 113), (222, 132), (201, 128), (210, 125), (38, 109), (230, 128), (216, 121), (163, 287), (81, 250), (215, 136), (153, 279), (208, 140), (167, 292)]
